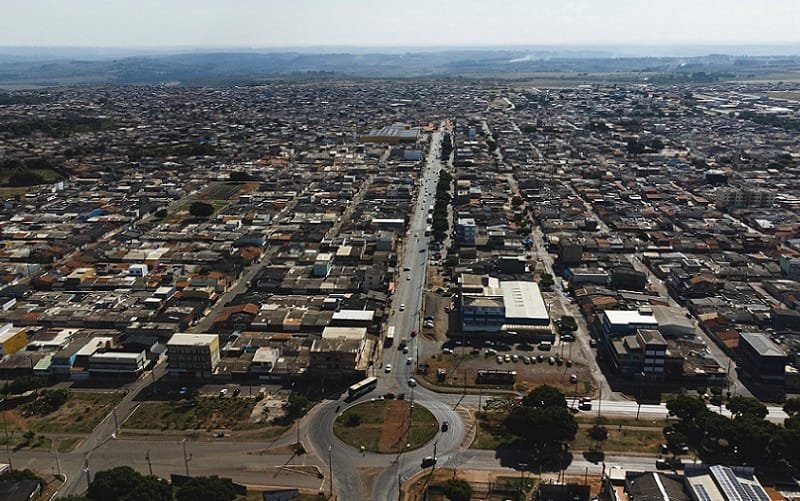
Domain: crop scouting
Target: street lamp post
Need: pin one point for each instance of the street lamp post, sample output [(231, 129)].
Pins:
[(639, 400)]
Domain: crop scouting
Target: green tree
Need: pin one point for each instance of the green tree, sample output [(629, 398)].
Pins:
[(457, 489), (23, 384), (201, 209), (792, 406), (125, 484), (741, 406), (598, 433), (686, 407), (25, 178), (207, 489), (240, 175), (542, 427), (545, 396)]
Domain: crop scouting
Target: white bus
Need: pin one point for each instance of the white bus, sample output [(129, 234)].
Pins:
[(389, 336), (362, 387)]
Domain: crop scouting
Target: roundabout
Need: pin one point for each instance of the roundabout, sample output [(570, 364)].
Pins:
[(386, 426)]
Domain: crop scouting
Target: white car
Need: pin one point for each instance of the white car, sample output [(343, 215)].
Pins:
[(402, 307), (388, 368), (409, 360), (408, 277)]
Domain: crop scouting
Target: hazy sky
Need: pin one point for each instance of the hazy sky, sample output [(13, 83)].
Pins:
[(271, 23)]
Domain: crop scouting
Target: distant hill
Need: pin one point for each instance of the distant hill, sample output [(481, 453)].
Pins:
[(40, 68)]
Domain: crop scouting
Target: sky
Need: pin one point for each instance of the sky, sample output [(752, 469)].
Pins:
[(407, 23)]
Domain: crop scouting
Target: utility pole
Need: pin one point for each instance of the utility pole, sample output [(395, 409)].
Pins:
[(185, 457), (330, 469), (639, 400), (88, 472), (149, 464), (5, 429)]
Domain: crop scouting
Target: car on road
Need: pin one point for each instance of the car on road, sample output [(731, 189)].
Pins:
[(405, 350), (409, 361), (445, 426), (491, 352), (407, 268), (408, 277), (183, 391), (402, 307), (388, 396), (236, 391), (428, 461), (388, 368), (412, 382), (573, 378), (423, 249), (413, 333), (567, 337), (447, 351), (593, 343)]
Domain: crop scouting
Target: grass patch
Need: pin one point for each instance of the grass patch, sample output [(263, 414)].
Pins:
[(384, 426), (81, 413), (492, 433), (620, 441), (7, 192), (18, 440), (201, 413), (67, 444)]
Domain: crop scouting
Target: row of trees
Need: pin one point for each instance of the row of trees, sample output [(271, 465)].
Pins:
[(126, 484), (747, 437), (440, 221)]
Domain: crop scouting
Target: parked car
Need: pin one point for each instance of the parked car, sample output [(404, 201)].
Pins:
[(499, 359), (526, 360), (223, 392), (515, 358), (236, 391)]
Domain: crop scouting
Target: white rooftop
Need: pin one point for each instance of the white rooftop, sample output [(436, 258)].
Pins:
[(629, 317), (185, 339), (523, 300)]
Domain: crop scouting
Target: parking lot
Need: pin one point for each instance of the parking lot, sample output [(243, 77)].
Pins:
[(533, 364)]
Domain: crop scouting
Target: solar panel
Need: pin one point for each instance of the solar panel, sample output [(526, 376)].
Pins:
[(702, 493)]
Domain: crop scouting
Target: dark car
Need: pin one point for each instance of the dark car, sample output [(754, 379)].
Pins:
[(445, 426), (428, 461), (236, 392)]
